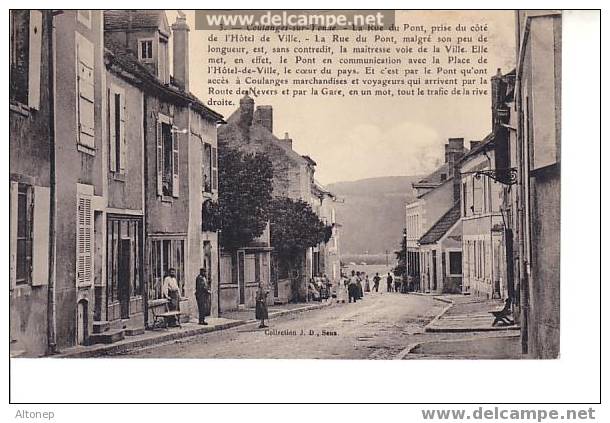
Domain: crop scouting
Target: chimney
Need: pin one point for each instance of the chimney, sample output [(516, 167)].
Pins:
[(246, 111), (180, 30), (264, 116), (474, 144), (497, 96), (455, 151), (287, 141)]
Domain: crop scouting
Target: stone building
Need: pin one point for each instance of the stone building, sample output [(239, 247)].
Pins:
[(90, 154), (441, 254), (179, 136), (482, 223), (30, 153), (532, 147), (436, 195), (250, 130), (326, 256)]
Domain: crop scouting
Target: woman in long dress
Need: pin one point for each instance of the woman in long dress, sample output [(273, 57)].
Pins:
[(261, 312)]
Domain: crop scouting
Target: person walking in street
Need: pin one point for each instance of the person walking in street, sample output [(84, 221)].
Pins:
[(170, 289), (203, 296), (360, 291), (389, 281), (352, 288), (261, 312), (397, 284), (376, 281), (342, 289), (367, 284)]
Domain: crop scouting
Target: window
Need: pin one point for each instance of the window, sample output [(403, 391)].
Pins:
[(207, 167), (464, 208), (24, 235), (163, 61), (29, 234), (25, 56), (118, 138), (145, 50), (84, 240), (124, 257), (165, 254), (455, 262), (86, 92), (167, 159), (214, 169)]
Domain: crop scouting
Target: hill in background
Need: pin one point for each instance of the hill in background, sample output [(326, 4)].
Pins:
[(372, 213)]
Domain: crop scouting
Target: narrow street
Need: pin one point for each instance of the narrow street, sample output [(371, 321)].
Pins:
[(377, 327)]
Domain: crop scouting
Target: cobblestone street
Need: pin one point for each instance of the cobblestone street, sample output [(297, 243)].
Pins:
[(378, 327)]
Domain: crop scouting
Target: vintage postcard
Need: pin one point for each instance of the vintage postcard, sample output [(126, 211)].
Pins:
[(331, 184)]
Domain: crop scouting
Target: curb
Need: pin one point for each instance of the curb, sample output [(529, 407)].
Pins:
[(102, 350), (411, 347), (402, 354)]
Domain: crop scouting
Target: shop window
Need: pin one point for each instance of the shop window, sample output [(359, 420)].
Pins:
[(455, 262), (165, 254)]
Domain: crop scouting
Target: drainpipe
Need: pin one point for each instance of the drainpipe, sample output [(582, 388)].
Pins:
[(51, 305)]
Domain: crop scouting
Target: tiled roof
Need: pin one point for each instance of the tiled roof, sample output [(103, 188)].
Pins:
[(259, 132), (440, 228), (435, 177), (117, 55), (119, 20)]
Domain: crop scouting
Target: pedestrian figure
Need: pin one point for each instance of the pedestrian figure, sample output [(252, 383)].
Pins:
[(367, 285), (352, 287), (396, 285), (376, 280), (261, 312), (389, 282), (360, 291), (203, 296), (171, 292), (342, 289)]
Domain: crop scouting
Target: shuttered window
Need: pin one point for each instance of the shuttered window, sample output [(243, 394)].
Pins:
[(118, 140), (26, 56), (84, 241), (40, 236), (168, 157), (207, 167), (86, 92), (214, 169)]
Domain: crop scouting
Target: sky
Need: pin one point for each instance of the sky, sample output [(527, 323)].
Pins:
[(352, 139)]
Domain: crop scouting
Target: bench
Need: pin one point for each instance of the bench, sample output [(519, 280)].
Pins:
[(163, 318), (503, 316)]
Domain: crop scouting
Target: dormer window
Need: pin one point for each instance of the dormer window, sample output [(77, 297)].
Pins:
[(145, 50)]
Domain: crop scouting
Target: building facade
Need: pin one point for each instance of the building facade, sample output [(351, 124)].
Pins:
[(482, 224), (436, 195), (90, 238), (533, 150), (31, 150)]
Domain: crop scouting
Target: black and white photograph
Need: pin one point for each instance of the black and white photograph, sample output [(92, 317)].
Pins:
[(339, 185)]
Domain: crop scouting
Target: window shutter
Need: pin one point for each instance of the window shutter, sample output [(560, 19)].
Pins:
[(86, 92), (159, 157), (175, 167), (40, 236), (123, 140), (14, 189), (35, 58), (84, 239), (111, 119), (214, 168)]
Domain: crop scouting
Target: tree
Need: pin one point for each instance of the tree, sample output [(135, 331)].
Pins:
[(294, 227), (401, 256), (244, 196)]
